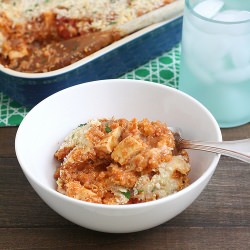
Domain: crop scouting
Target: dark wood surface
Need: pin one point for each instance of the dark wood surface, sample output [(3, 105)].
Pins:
[(218, 219)]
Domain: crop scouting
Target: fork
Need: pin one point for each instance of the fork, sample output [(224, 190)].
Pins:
[(239, 149)]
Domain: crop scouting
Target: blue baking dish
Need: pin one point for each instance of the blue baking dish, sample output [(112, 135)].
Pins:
[(28, 89)]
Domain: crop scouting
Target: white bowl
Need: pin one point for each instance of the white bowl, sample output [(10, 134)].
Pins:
[(46, 125)]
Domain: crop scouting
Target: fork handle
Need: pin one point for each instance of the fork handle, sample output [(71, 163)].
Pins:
[(239, 149)]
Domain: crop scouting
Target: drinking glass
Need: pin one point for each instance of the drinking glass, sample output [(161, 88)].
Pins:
[(215, 59)]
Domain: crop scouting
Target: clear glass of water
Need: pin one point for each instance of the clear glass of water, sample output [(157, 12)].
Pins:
[(215, 61)]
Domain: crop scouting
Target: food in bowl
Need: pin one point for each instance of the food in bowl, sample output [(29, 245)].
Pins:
[(36, 143), (117, 161), (47, 35)]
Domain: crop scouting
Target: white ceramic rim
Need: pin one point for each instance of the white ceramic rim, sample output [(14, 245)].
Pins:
[(193, 185)]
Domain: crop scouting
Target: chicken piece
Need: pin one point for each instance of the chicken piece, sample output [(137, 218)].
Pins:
[(78, 157), (172, 177), (107, 144), (127, 148), (75, 190)]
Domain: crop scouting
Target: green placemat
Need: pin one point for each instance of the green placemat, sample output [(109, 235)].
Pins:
[(163, 69)]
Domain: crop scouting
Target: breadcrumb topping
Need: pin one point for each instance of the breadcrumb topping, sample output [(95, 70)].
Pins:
[(45, 35), (117, 161)]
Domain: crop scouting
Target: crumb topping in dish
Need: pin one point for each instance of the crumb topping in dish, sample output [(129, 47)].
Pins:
[(117, 161), (41, 35)]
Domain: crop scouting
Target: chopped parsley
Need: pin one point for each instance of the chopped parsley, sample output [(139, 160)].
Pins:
[(107, 128), (81, 125), (112, 22), (127, 194)]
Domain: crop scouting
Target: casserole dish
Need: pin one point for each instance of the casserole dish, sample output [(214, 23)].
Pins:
[(111, 61)]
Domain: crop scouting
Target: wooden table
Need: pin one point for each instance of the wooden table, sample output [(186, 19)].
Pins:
[(218, 219)]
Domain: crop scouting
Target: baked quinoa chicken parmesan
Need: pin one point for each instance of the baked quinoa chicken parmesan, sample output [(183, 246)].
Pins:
[(44, 35), (120, 161)]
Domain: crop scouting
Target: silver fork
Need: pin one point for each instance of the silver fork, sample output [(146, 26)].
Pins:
[(239, 149)]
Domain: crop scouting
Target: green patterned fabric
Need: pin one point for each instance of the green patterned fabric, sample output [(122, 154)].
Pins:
[(163, 69), (11, 113)]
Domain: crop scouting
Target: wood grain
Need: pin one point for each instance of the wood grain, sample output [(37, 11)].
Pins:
[(218, 219)]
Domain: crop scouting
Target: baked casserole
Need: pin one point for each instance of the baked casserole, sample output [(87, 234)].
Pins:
[(117, 161), (45, 35)]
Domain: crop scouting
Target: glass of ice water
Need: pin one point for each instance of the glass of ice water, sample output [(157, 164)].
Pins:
[(215, 61)]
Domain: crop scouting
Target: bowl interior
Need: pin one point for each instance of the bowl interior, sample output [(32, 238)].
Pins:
[(46, 125)]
